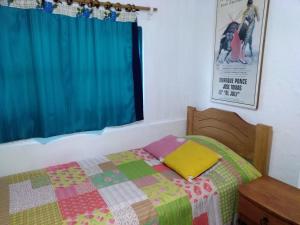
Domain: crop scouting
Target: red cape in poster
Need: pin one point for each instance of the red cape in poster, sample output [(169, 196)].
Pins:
[(236, 47)]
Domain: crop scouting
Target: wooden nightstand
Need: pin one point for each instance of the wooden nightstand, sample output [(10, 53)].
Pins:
[(267, 201)]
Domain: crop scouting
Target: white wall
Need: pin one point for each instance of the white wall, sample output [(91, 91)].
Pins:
[(171, 74), (280, 93)]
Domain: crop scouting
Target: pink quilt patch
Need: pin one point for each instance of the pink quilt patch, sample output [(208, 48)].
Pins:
[(85, 188), (63, 167), (200, 188), (201, 220), (143, 154), (81, 204), (98, 216), (64, 193), (72, 191), (161, 168), (145, 181), (67, 175)]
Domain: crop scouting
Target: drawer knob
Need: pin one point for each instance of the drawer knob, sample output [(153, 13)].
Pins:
[(264, 221)]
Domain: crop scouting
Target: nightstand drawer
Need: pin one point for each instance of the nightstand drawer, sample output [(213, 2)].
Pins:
[(254, 215)]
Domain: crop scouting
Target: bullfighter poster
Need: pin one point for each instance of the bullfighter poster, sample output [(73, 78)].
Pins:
[(239, 41)]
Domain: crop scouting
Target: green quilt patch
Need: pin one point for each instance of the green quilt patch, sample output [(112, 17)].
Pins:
[(46, 215), (227, 186), (20, 177), (108, 178), (152, 221), (67, 177), (178, 212), (98, 216), (40, 181), (136, 169), (163, 192), (244, 168), (123, 157)]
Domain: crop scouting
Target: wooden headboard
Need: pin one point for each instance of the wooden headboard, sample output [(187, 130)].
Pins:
[(253, 142)]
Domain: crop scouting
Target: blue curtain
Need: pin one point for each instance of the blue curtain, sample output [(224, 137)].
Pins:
[(60, 75)]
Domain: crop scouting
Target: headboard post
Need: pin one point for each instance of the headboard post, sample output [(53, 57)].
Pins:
[(263, 142), (190, 116)]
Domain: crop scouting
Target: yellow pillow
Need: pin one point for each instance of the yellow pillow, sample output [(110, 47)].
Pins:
[(191, 159)]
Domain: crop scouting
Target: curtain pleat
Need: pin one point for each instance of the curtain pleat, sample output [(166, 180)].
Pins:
[(137, 70), (60, 75)]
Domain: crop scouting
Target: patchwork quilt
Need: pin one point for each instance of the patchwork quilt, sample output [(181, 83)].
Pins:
[(130, 187)]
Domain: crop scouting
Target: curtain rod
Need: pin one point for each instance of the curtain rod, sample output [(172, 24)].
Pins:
[(109, 5)]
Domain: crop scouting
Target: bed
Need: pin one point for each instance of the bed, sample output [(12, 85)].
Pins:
[(134, 187)]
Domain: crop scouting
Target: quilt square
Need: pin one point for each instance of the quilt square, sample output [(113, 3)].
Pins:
[(145, 212), (200, 189), (40, 181), (63, 166), (123, 157), (153, 162), (107, 166), (64, 193), (143, 154), (67, 175), (122, 195), (44, 215), (72, 191), (178, 206), (94, 161), (23, 197), (85, 188), (161, 168), (4, 199), (21, 177), (227, 193), (92, 170), (81, 204), (171, 175), (125, 216), (108, 178), (137, 169), (98, 216), (145, 181), (91, 166), (202, 193), (163, 192), (202, 219)]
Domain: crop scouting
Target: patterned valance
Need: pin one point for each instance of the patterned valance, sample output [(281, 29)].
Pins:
[(74, 10)]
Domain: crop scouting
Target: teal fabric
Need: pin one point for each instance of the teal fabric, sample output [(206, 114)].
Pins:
[(140, 44), (60, 75)]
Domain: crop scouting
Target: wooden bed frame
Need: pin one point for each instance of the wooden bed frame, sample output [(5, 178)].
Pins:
[(253, 142)]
